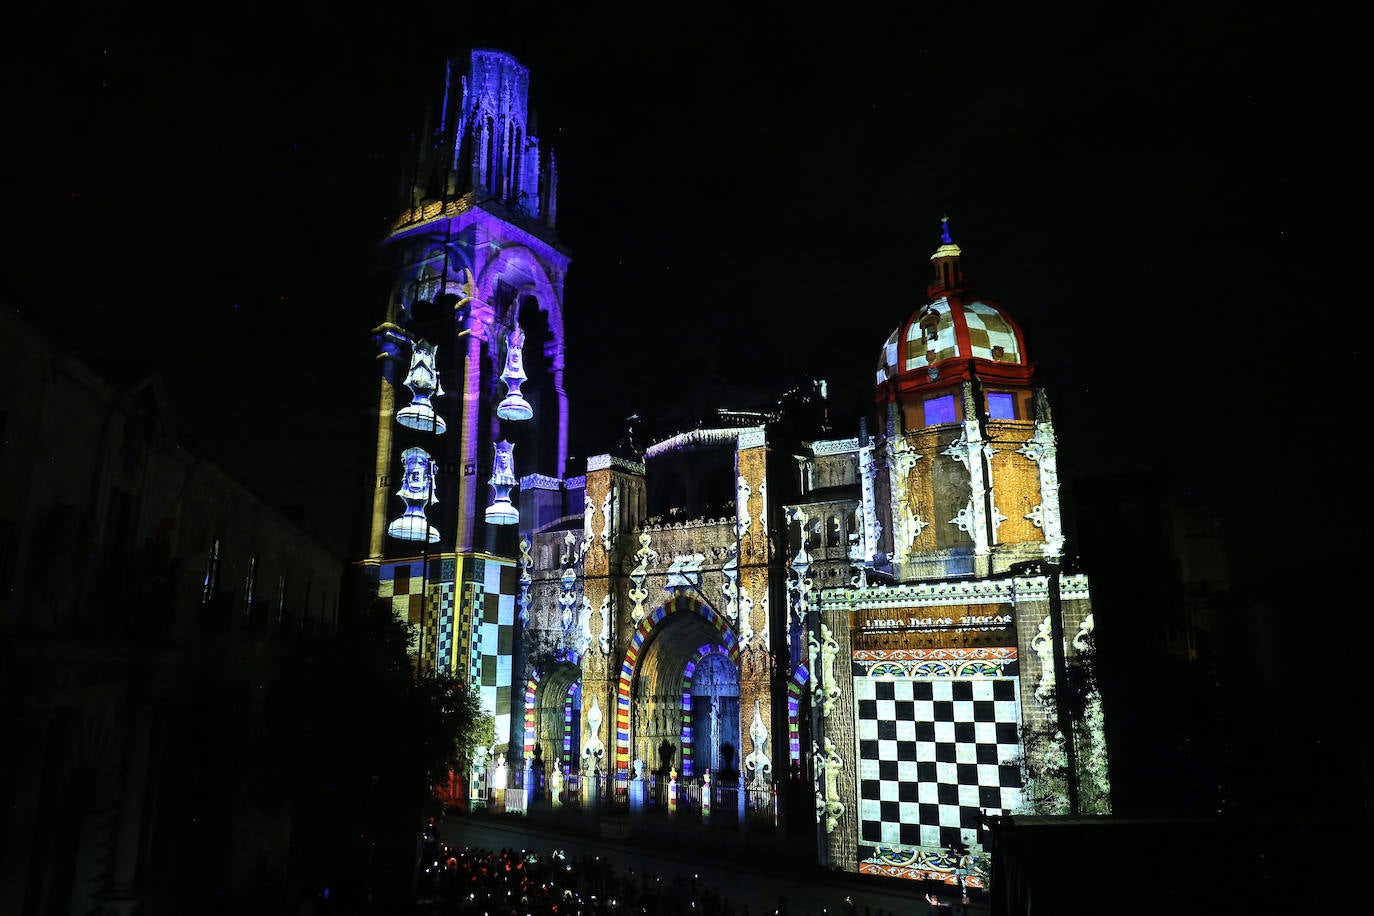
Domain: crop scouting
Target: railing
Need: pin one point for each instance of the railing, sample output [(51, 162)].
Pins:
[(655, 795)]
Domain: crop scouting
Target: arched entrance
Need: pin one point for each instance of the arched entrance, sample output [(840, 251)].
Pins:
[(679, 690), (554, 717), (712, 697)]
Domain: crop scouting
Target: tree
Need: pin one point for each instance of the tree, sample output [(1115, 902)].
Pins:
[(362, 741)]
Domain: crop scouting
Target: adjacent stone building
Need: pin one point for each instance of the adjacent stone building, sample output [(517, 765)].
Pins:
[(145, 599)]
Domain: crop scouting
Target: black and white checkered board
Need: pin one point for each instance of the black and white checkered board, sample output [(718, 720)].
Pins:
[(934, 754)]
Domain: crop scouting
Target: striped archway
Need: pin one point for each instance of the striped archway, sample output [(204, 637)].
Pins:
[(796, 684), (680, 602), (557, 688)]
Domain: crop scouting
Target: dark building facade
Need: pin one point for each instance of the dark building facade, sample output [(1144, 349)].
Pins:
[(145, 599)]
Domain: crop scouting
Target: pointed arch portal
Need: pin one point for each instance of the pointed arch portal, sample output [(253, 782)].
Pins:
[(679, 679), (553, 714)]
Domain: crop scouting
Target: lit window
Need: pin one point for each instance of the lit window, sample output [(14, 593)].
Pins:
[(1001, 406), (940, 410)]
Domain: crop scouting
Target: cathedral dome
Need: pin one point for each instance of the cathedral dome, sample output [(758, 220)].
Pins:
[(954, 334)]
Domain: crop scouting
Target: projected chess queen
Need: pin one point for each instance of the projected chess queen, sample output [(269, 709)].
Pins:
[(417, 489), (514, 407), (502, 511), (423, 382)]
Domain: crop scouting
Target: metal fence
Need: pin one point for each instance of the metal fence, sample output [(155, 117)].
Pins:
[(721, 801)]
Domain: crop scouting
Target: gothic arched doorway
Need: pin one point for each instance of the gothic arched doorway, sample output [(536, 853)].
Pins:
[(712, 697), (555, 718), (680, 690)]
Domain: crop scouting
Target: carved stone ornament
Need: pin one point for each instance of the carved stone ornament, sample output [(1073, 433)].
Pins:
[(758, 769)]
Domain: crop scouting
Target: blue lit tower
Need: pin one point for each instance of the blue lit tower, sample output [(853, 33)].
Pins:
[(471, 400)]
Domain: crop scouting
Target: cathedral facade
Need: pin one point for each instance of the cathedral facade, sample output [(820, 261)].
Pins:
[(883, 625)]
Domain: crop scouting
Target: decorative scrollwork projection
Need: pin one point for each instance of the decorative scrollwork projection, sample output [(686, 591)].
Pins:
[(829, 649), (959, 449), (526, 564), (902, 456), (1082, 640), (604, 639), (828, 765), (685, 571), (997, 518), (763, 505), (767, 623), (758, 769), (730, 569), (588, 512), (1043, 646), (638, 593), (608, 508), (813, 650), (964, 521), (746, 628), (742, 520), (567, 594), (584, 638), (594, 749)]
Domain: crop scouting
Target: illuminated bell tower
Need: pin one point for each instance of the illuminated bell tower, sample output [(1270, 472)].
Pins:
[(477, 297)]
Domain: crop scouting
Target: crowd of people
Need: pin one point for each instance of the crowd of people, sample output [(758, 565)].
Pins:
[(464, 881)]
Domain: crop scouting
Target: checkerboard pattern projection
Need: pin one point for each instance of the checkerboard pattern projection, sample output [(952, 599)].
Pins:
[(934, 755), (493, 638)]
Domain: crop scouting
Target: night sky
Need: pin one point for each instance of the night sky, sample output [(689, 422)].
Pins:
[(1166, 205)]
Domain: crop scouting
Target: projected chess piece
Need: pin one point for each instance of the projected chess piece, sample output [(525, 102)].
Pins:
[(501, 511), (417, 490), (514, 407), (423, 382)]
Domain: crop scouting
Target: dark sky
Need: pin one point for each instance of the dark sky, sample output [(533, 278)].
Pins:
[(1167, 206)]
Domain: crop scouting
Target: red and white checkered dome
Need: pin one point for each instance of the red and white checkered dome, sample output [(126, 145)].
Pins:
[(954, 324)]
